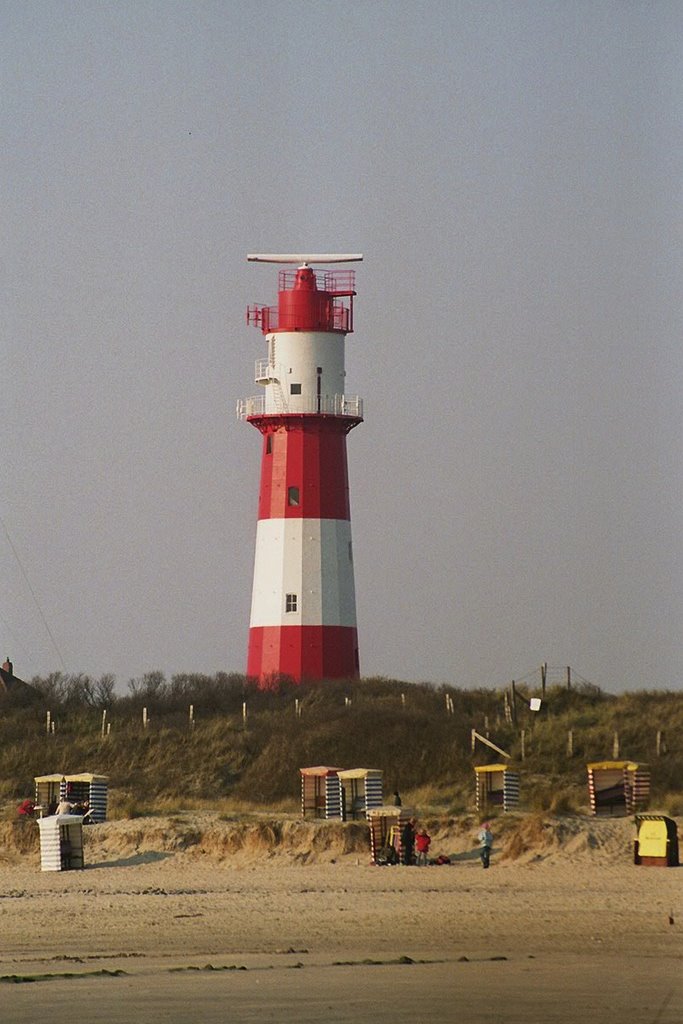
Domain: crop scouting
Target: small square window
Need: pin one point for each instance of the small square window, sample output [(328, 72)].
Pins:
[(295, 389), (292, 495), (290, 602)]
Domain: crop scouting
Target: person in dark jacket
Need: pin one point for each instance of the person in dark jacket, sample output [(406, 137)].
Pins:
[(485, 844), (408, 841)]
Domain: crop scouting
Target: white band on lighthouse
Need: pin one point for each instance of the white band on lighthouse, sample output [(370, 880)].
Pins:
[(310, 561)]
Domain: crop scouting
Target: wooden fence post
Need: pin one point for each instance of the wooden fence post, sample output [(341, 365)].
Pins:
[(570, 743)]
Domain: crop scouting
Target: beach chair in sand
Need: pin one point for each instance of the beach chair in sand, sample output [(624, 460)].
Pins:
[(386, 825), (320, 794), (656, 843), (360, 789), (497, 788), (50, 789), (618, 787), (88, 790), (61, 842)]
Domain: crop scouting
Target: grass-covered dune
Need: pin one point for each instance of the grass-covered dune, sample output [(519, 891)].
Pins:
[(245, 746)]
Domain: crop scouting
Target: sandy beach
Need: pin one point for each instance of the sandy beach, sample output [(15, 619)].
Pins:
[(194, 918)]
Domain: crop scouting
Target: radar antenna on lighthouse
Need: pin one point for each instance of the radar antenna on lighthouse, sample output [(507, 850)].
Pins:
[(303, 610), (306, 259)]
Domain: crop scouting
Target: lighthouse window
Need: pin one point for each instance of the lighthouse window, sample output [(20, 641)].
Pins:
[(292, 495), (269, 444), (295, 389), (290, 602)]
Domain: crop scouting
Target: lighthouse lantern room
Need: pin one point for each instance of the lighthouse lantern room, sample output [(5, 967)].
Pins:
[(303, 610)]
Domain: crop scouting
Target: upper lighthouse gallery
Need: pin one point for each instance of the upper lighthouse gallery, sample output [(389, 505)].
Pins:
[(303, 609)]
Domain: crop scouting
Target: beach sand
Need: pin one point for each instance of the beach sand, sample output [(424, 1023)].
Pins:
[(193, 918)]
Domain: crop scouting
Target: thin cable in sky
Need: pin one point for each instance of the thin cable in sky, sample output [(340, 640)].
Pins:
[(33, 594)]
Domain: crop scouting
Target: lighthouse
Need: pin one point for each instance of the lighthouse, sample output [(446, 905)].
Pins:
[(303, 608)]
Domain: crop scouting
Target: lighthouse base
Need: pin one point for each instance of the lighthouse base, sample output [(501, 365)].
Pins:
[(302, 652)]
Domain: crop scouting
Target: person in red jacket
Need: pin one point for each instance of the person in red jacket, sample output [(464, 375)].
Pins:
[(422, 841)]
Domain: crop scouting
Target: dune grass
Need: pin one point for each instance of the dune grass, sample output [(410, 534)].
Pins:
[(222, 761)]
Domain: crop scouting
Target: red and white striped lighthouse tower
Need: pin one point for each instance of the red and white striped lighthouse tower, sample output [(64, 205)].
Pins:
[(303, 610)]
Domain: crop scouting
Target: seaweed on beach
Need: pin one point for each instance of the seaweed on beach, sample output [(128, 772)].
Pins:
[(207, 967), (22, 979)]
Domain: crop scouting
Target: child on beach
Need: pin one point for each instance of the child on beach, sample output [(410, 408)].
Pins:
[(422, 841), (485, 844)]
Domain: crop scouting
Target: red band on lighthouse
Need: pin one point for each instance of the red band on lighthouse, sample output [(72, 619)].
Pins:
[(307, 454)]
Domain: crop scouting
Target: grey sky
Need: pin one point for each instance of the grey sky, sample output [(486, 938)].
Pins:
[(512, 172)]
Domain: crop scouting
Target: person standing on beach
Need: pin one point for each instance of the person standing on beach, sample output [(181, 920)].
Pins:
[(408, 841), (485, 844), (422, 841)]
